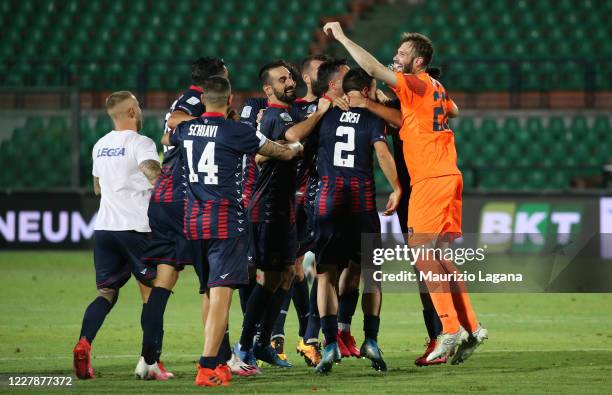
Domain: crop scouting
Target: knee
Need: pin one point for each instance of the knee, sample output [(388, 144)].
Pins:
[(270, 280), (287, 277), (110, 294), (299, 273)]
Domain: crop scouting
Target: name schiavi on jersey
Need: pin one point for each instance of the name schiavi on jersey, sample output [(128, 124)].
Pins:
[(203, 130)]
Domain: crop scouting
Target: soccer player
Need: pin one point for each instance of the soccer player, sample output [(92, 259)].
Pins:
[(214, 216), (125, 167), (389, 111), (169, 251), (272, 217), (434, 213), (304, 206), (330, 78), (346, 208)]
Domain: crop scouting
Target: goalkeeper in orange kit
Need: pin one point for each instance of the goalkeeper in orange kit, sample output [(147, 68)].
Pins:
[(434, 210)]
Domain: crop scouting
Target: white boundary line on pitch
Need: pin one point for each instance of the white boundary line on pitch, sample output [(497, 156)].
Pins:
[(195, 356)]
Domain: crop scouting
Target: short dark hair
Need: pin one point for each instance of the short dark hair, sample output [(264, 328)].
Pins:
[(309, 59), (422, 45), (325, 73), (204, 68), (264, 72), (216, 90), (356, 80)]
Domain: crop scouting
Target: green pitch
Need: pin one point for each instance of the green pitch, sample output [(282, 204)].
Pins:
[(538, 343)]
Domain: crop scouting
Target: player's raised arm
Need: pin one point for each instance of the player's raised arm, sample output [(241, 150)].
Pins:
[(363, 58), (301, 130), (387, 164)]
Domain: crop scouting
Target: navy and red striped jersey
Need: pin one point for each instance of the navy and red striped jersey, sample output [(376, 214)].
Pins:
[(306, 177), (213, 148), (345, 160), (170, 186), (274, 194), (248, 115)]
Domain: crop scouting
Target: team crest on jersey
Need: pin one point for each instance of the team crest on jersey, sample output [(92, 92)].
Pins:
[(246, 111), (193, 100), (311, 108), (286, 117)]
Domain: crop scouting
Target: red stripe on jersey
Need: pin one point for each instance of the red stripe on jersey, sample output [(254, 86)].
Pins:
[(185, 207), (222, 232), (206, 219), (323, 198), (168, 189), (249, 182), (255, 204), (355, 198), (338, 190), (193, 219), (196, 88), (369, 195)]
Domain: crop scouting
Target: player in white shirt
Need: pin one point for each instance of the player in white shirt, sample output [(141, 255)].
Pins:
[(125, 167)]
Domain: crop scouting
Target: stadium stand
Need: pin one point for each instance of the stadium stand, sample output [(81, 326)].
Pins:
[(146, 46)]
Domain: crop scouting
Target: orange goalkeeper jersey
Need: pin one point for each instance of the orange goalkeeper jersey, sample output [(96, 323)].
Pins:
[(428, 142)]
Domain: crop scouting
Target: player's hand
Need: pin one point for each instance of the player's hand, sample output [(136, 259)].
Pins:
[(392, 203), (335, 29), (356, 99), (323, 105), (297, 148), (342, 103), (381, 97), (232, 114)]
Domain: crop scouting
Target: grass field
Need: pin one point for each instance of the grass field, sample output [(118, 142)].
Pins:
[(538, 342)]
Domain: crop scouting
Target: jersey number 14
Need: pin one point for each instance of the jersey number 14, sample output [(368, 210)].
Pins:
[(206, 164)]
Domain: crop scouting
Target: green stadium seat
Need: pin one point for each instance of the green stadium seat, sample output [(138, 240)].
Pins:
[(536, 179)]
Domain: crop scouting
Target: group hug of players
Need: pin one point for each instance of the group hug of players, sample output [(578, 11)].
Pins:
[(243, 196)]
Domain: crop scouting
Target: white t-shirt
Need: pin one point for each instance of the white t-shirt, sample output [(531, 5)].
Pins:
[(125, 189)]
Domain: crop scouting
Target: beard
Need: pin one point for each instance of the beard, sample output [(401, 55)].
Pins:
[(287, 95), (139, 124)]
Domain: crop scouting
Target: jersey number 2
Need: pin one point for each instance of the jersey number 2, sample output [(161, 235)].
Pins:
[(344, 147), (206, 164)]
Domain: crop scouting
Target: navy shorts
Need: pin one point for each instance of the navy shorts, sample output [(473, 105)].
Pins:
[(117, 255), (273, 244), (168, 244), (338, 237), (221, 262)]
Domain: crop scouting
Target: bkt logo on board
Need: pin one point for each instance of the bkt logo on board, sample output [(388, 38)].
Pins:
[(528, 227)]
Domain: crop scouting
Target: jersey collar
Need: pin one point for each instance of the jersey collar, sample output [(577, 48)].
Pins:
[(213, 114), (196, 88), (274, 105)]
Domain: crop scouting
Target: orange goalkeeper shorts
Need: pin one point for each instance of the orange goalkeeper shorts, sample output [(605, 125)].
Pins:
[(434, 209)]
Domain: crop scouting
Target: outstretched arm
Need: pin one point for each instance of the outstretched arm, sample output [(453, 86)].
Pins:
[(390, 115), (385, 160), (301, 130), (363, 58), (177, 117), (278, 151)]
